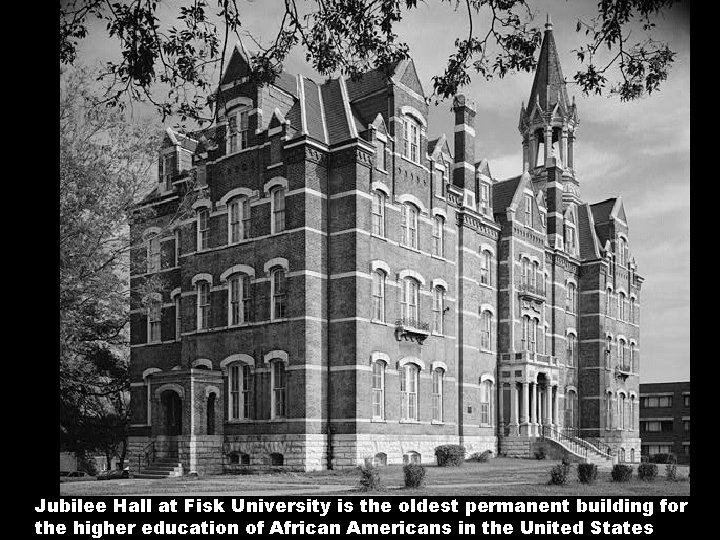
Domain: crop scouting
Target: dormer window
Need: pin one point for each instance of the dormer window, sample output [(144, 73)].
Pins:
[(380, 153), (528, 210), (570, 241), (622, 252), (411, 140), (237, 138), (484, 202), (168, 159)]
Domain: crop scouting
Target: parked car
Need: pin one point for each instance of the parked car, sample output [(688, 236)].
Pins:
[(114, 474)]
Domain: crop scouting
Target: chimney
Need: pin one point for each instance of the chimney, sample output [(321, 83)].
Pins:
[(464, 168)]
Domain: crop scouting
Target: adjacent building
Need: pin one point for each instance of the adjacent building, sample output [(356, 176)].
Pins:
[(337, 285), (665, 419)]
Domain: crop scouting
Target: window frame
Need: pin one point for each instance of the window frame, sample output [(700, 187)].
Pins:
[(278, 298), (486, 320), (411, 139), (378, 213), (203, 234), (277, 209), (439, 236), (409, 373), (378, 392), (239, 299), (378, 300), (240, 392), (438, 392), (153, 256), (486, 407), (154, 320), (278, 393), (409, 311), (486, 267), (202, 321), (238, 129), (439, 310), (409, 225), (572, 349)]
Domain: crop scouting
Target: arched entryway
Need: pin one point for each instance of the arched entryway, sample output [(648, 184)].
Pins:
[(172, 412)]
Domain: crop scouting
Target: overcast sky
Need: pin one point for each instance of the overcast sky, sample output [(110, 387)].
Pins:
[(638, 150)]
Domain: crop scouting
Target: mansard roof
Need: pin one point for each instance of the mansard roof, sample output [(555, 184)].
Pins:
[(587, 237), (503, 193)]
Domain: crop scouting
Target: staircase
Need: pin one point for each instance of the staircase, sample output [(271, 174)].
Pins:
[(158, 467), (582, 449)]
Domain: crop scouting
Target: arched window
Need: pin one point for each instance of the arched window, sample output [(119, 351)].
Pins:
[(154, 318), (529, 333), (438, 310), (378, 213), (203, 304), (203, 228), (608, 352), (378, 296), (572, 350), (238, 299), (409, 300), (378, 390), (484, 202), (570, 242), (608, 302), (238, 219), (528, 210), (277, 195), (621, 355), (439, 236), (571, 298), (485, 268), (408, 392), (621, 410), (241, 384), (534, 278), (486, 401), (622, 252), (571, 409), (411, 139), (526, 272), (633, 359), (438, 375), (237, 137), (277, 285), (278, 388), (621, 306), (153, 252), (631, 415), (409, 225), (608, 411), (486, 331), (631, 315)]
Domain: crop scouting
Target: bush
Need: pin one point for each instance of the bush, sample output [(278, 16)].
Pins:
[(647, 471), (621, 473), (414, 475), (587, 473), (450, 455), (540, 453), (558, 475), (481, 457), (663, 458), (671, 472), (369, 478)]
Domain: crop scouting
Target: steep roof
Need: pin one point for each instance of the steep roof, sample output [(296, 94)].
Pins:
[(549, 85), (503, 193), (589, 243), (601, 211)]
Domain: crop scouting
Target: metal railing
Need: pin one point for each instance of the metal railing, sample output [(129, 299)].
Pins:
[(413, 324), (527, 287), (147, 455), (573, 444), (571, 436)]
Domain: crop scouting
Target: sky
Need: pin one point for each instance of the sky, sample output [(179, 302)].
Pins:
[(638, 150)]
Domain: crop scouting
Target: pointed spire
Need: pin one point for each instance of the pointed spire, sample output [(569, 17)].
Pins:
[(549, 85)]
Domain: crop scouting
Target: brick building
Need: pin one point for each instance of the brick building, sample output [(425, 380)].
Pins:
[(348, 288), (665, 419)]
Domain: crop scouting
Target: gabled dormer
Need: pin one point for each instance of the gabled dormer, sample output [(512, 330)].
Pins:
[(441, 160), (175, 159)]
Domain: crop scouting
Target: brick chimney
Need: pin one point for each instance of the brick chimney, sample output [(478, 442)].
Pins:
[(464, 168)]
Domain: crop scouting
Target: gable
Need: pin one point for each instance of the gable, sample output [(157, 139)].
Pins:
[(410, 78), (619, 211), (238, 66)]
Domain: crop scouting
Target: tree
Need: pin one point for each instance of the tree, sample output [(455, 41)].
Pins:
[(351, 37)]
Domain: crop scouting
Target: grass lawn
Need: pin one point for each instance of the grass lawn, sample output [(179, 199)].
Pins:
[(499, 476)]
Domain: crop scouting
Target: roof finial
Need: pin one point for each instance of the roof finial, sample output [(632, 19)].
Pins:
[(548, 24)]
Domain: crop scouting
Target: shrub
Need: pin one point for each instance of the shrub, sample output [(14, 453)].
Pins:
[(450, 455), (540, 453), (481, 457), (369, 477), (663, 458), (414, 475), (621, 473), (558, 475), (647, 471), (587, 473), (671, 472)]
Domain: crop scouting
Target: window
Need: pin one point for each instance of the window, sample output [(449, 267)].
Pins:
[(486, 392), (622, 252), (437, 394), (380, 152), (411, 141), (278, 386), (203, 305), (153, 253), (686, 400), (686, 425), (656, 401), (278, 210), (408, 392), (608, 302), (485, 268), (378, 296), (526, 272), (631, 315), (631, 407), (278, 294), (571, 409), (240, 392), (378, 213), (633, 359), (571, 298), (486, 331), (154, 320), (530, 329), (439, 236), (656, 425), (409, 301), (622, 357), (572, 350), (203, 225), (238, 131), (621, 306), (528, 210), (409, 225), (239, 219), (178, 317), (608, 352), (534, 276), (570, 239), (177, 247), (621, 411), (652, 449), (484, 198), (239, 300), (608, 411), (167, 168), (438, 310), (378, 390)]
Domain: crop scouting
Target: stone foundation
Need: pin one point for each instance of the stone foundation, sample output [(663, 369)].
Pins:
[(300, 452)]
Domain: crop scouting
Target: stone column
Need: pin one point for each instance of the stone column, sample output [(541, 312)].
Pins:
[(514, 408), (556, 407), (571, 143), (526, 408), (501, 411), (533, 408), (564, 147), (548, 405), (548, 143), (532, 154)]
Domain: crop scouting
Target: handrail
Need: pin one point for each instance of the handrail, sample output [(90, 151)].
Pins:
[(569, 433), (146, 453), (571, 443)]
